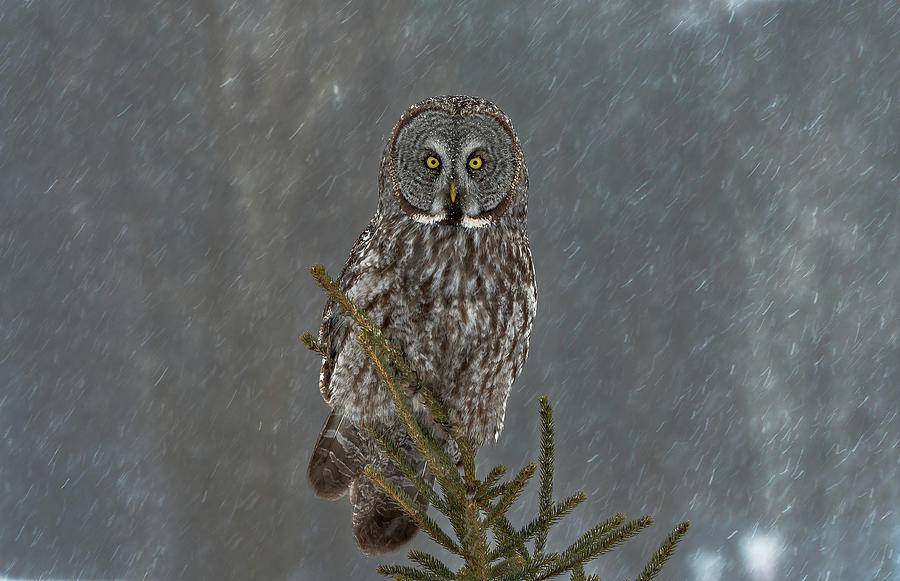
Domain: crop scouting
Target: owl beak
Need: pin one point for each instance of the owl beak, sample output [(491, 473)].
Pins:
[(454, 208)]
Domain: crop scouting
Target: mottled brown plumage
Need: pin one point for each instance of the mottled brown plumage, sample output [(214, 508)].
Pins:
[(444, 268)]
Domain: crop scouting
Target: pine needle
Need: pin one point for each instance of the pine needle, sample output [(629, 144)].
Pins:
[(443, 468), (415, 512), (404, 573), (313, 344), (542, 522), (511, 547), (431, 564), (405, 465), (578, 572), (486, 489), (475, 541), (664, 552), (546, 462), (599, 539), (511, 493)]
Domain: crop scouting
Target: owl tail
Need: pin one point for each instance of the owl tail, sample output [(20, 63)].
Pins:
[(341, 453), (338, 457), (379, 525)]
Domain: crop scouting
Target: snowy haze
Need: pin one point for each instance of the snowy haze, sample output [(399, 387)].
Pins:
[(714, 220)]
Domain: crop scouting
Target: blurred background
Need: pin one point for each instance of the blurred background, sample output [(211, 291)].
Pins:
[(715, 188)]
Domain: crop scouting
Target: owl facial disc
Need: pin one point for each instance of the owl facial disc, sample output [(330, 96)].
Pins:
[(454, 161)]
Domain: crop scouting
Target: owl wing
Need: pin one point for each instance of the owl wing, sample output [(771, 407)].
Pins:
[(338, 456), (332, 337), (336, 327)]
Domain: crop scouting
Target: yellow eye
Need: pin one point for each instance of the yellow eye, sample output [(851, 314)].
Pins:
[(432, 162), (475, 162)]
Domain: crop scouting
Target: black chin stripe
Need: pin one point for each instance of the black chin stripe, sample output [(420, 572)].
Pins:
[(454, 214)]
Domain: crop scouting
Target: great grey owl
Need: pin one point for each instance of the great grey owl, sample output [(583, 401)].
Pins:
[(444, 268)]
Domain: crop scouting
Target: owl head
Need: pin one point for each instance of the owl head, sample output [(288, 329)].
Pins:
[(455, 160)]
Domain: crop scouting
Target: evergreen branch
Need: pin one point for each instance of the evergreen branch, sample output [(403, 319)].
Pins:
[(463, 497), (313, 344), (467, 459), (593, 543), (404, 573), (379, 342), (542, 522), (429, 399), (513, 566), (483, 492), (504, 533), (664, 552), (415, 512), (475, 542), (443, 468), (578, 572), (460, 526), (350, 308), (375, 338), (511, 492), (431, 564), (546, 463), (490, 493), (530, 569), (405, 465)]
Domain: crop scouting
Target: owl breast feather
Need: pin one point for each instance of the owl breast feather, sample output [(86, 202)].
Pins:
[(458, 302)]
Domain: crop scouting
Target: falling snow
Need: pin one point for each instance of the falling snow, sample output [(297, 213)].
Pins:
[(714, 199)]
